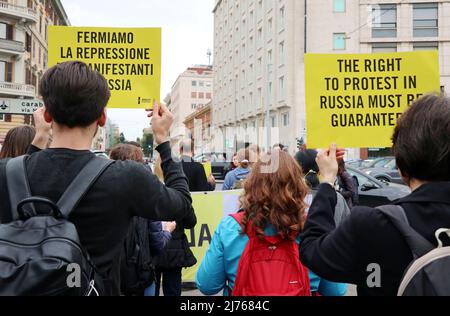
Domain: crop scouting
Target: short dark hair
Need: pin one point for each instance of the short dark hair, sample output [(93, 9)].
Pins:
[(74, 94), (422, 139)]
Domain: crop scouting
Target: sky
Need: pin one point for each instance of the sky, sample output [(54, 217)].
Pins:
[(187, 34)]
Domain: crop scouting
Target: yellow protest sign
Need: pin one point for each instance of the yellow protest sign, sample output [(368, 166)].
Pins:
[(210, 208), (208, 168), (356, 99), (129, 58)]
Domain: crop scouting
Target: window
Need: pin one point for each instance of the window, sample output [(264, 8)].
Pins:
[(269, 26), (6, 31), (339, 6), (273, 121), (384, 20), (281, 52), (269, 92), (201, 95), (194, 83), (269, 56), (208, 84), (5, 72), (282, 17), (28, 42), (2, 117), (425, 20), (384, 47), (208, 95), (286, 119), (201, 84), (426, 46), (281, 87), (193, 106), (194, 95), (339, 41)]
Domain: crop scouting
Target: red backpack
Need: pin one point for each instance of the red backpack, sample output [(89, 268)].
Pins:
[(270, 267)]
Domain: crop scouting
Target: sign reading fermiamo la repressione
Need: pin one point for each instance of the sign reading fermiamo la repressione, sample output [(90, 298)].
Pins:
[(355, 100), (129, 58)]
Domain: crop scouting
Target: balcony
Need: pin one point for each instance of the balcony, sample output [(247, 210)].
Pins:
[(17, 89), (11, 47), (18, 12)]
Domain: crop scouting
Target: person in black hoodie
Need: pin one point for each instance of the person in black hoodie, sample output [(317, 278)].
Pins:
[(177, 254), (194, 171), (346, 253)]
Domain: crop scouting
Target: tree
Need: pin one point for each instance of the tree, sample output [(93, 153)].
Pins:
[(147, 144)]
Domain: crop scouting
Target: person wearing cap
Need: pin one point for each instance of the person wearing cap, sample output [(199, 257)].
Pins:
[(240, 173)]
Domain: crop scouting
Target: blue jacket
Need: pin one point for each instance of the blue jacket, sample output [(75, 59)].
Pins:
[(158, 238), (233, 176), (219, 267)]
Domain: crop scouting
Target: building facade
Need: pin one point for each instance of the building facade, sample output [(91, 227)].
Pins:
[(259, 49), (198, 125), (23, 51), (191, 91)]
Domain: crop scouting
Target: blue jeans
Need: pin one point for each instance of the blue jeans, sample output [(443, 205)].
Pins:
[(151, 290)]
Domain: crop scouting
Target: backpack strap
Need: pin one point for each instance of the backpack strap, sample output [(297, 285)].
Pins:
[(416, 242), (18, 185), (78, 189)]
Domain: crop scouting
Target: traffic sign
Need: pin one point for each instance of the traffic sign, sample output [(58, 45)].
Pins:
[(19, 106)]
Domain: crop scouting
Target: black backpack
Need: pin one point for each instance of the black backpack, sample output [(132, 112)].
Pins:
[(40, 250), (429, 273), (136, 268)]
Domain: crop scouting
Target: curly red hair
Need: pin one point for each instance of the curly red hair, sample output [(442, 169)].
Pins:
[(275, 194)]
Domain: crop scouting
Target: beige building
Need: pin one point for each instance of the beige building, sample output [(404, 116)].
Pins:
[(259, 49), (23, 51), (191, 91)]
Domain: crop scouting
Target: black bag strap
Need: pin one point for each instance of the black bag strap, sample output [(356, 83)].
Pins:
[(18, 186), (79, 187), (416, 242)]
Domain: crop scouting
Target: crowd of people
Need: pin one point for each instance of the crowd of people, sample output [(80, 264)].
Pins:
[(299, 231)]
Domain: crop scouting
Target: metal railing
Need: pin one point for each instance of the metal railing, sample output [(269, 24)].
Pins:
[(12, 45), (17, 88), (18, 10)]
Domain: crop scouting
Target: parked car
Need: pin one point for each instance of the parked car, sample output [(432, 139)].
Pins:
[(219, 163), (101, 154), (359, 164), (374, 193), (387, 173)]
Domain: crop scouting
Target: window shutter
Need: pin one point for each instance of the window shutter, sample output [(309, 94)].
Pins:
[(8, 118), (9, 32), (9, 70)]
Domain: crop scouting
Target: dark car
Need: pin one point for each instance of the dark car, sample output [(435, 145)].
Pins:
[(374, 193), (387, 173), (220, 163)]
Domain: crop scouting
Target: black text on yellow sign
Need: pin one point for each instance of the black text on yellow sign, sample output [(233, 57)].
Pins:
[(129, 58), (355, 100)]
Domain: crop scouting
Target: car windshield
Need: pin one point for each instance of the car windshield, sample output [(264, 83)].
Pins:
[(367, 163), (362, 180), (382, 162), (391, 165)]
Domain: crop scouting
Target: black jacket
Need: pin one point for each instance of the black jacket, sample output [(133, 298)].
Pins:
[(196, 175), (343, 254), (126, 189)]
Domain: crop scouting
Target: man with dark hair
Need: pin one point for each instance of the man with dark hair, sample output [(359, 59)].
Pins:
[(369, 248), (75, 97)]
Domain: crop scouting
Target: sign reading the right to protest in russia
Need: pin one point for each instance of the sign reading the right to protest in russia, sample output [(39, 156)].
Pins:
[(355, 100), (129, 58)]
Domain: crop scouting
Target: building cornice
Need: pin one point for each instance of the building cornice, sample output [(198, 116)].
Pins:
[(62, 12), (217, 6)]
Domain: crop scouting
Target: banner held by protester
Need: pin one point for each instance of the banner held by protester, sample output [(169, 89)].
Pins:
[(129, 58), (355, 100), (210, 209)]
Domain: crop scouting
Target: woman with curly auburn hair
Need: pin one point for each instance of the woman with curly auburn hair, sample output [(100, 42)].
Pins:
[(272, 207)]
